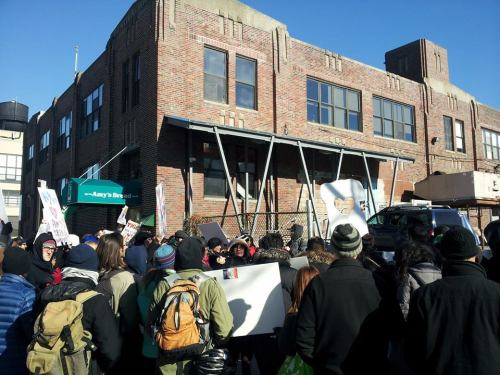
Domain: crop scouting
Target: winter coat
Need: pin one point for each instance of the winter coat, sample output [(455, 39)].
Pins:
[(40, 274), (297, 244), (286, 336), (492, 267), (98, 319), (343, 319), (417, 275), (322, 260), (16, 322), (453, 323)]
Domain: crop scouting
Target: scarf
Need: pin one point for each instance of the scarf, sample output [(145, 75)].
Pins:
[(76, 272)]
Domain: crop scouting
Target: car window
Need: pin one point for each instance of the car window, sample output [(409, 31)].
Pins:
[(449, 218), (376, 219), (396, 219), (422, 217)]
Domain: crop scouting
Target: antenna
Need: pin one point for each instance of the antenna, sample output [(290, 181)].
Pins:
[(76, 60)]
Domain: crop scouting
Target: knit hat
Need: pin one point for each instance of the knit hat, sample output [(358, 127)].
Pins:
[(458, 244), (89, 238), (180, 234), (82, 257), (165, 257), (49, 243), (346, 241), (16, 261)]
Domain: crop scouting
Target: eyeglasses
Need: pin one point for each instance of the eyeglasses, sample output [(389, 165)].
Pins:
[(49, 248)]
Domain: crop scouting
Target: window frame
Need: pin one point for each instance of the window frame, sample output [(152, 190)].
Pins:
[(136, 78), (212, 155), (89, 169), (384, 118), (91, 120), (494, 149), (462, 150), (245, 84), (6, 170), (226, 78), (8, 196), (43, 154), (64, 133), (449, 135)]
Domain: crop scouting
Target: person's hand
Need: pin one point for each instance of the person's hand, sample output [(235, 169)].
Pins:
[(221, 260)]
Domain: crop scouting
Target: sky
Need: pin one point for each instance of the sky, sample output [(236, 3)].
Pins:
[(38, 38)]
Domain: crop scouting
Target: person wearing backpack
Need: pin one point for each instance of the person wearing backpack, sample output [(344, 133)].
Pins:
[(74, 303), (16, 302), (213, 308)]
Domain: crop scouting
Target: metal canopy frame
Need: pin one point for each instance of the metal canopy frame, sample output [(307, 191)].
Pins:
[(272, 139)]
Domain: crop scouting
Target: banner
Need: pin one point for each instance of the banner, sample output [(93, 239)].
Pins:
[(130, 231), (122, 219), (255, 297), (3, 213), (345, 201), (161, 212), (53, 215)]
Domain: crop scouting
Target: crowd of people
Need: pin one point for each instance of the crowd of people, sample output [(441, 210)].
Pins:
[(102, 306)]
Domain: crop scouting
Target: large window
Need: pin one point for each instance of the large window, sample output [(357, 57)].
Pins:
[(246, 159), (333, 105), (12, 198), (215, 75), (64, 136), (91, 119), (454, 137), (30, 156), (125, 87), (214, 179), (92, 172), (61, 184), (11, 167), (245, 83), (136, 78), (393, 120), (491, 144), (44, 147)]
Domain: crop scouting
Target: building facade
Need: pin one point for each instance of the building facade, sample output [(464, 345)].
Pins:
[(233, 115)]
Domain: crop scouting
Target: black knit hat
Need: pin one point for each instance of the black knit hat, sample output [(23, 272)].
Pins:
[(458, 244), (16, 261), (346, 241), (82, 257)]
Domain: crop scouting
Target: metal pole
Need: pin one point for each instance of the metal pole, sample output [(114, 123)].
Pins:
[(340, 163), (369, 183), (228, 177), (309, 185), (263, 185), (109, 161), (394, 177), (310, 227), (190, 174)]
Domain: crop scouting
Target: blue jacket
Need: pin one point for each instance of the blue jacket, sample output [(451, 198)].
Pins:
[(16, 323)]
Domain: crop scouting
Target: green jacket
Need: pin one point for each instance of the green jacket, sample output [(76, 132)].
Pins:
[(213, 304)]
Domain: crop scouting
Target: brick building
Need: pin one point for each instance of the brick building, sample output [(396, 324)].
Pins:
[(179, 80)]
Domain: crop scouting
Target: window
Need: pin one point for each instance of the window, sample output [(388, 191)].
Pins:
[(31, 154), (125, 82), (214, 182), (215, 75), (44, 146), (333, 105), (455, 134), (10, 167), (136, 78), (11, 198), (245, 83), (91, 110), (246, 164), (61, 184), (92, 172), (393, 120), (491, 144), (64, 136)]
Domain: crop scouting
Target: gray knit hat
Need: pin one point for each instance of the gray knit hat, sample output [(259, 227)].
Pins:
[(346, 241)]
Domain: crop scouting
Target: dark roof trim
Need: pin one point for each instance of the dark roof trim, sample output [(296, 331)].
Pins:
[(264, 136)]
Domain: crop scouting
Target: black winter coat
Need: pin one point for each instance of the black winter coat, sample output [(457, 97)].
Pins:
[(98, 319), (343, 320), (454, 324)]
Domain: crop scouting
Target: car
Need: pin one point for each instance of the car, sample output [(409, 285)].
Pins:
[(389, 227)]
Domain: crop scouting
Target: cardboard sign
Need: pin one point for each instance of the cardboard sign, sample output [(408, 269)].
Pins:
[(211, 230), (255, 297), (122, 219), (161, 212), (299, 262), (53, 215), (130, 231), (345, 201)]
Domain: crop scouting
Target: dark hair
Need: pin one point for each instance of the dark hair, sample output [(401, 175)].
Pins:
[(315, 244), (418, 232), (109, 252), (411, 253), (271, 241), (214, 242), (304, 277)]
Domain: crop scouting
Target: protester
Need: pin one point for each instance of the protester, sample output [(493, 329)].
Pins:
[(80, 274), (136, 261), (249, 240), (317, 255), (271, 241), (239, 254), (296, 244), (90, 240), (5, 232), (41, 272), (18, 241), (453, 323), (16, 320), (342, 325), (216, 255), (164, 258), (492, 265), (213, 302)]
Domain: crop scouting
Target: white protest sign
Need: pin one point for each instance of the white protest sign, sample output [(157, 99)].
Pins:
[(53, 215), (299, 262), (344, 200), (211, 230), (3, 213), (122, 219), (130, 231), (161, 212), (255, 297)]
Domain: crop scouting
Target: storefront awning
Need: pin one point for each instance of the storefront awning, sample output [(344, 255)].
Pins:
[(107, 192)]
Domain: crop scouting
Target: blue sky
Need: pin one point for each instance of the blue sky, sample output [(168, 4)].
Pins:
[(38, 38)]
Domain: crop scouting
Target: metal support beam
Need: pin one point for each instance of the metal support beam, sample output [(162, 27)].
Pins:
[(190, 174), (394, 177), (340, 163), (311, 195), (263, 185), (228, 176), (370, 187)]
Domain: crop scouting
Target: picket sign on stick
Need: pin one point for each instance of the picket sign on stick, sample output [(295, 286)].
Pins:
[(130, 231), (53, 215), (122, 219), (161, 211)]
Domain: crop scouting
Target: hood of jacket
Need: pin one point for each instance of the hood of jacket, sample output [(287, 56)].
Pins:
[(136, 259), (272, 255), (37, 245), (323, 257), (297, 230), (189, 255)]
